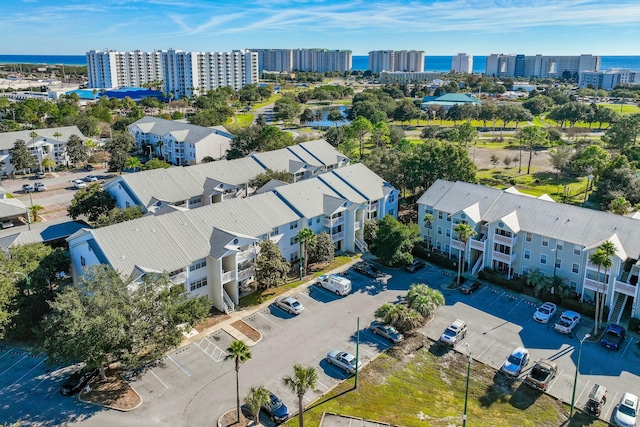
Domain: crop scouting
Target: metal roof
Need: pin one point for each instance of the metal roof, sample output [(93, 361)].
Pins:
[(7, 139), (306, 196), (182, 132)]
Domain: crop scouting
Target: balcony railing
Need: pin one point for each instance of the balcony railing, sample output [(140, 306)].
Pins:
[(228, 276), (625, 288), (499, 256), (330, 222), (477, 244), (373, 207), (247, 272), (337, 236), (457, 244), (245, 256), (504, 240), (358, 225), (594, 285)]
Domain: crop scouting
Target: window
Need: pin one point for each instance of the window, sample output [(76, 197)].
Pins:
[(293, 225), (275, 230), (446, 247), (440, 215), (425, 238), (545, 241), (577, 249), (318, 220), (543, 258), (293, 256), (527, 254), (558, 263), (448, 232), (439, 245), (439, 230), (292, 241), (573, 285), (525, 270), (559, 245), (83, 262), (201, 283), (198, 264), (575, 268), (528, 237), (310, 223), (195, 200)]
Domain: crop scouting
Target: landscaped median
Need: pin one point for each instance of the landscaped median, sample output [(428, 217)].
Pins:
[(414, 386)]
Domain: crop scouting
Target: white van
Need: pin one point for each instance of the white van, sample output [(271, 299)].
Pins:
[(334, 283)]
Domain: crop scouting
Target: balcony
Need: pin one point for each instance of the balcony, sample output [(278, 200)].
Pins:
[(337, 236), (247, 272), (372, 207), (594, 285), (506, 258), (245, 256), (625, 288), (330, 222), (228, 276), (358, 225), (477, 244), (504, 240), (457, 245), (178, 278)]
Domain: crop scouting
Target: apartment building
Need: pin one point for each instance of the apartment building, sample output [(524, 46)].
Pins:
[(181, 73), (212, 250), (47, 143), (517, 233), (462, 63), (162, 190), (177, 142), (275, 60), (609, 79), (322, 60), (396, 60), (402, 77), (518, 65)]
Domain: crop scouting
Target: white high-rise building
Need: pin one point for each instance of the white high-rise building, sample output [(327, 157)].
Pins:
[(275, 59), (396, 60), (182, 73), (609, 79), (518, 65), (462, 63), (314, 60), (381, 60)]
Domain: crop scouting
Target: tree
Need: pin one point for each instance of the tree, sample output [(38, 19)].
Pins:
[(429, 219), (48, 163), (307, 116), (532, 137), (507, 162), (560, 158), (91, 201), (77, 150), (119, 148), (394, 241), (303, 379), (306, 238), (34, 209), (269, 175), (538, 104), (257, 397), (401, 316), (21, 159), (536, 280), (620, 206), (286, 109), (271, 267), (118, 215), (424, 299), (323, 251), (601, 258), (156, 163), (335, 116), (240, 353), (609, 250), (8, 290), (359, 129), (336, 135), (495, 159), (464, 232), (624, 132), (133, 163)]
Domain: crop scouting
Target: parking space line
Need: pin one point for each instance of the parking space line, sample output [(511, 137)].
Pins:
[(486, 348), (27, 373), (370, 353), (474, 296), (216, 349), (555, 379), (158, 378), (178, 365), (626, 348), (3, 372), (5, 353), (514, 307), (583, 389), (377, 339), (615, 399), (325, 387), (496, 300), (260, 313)]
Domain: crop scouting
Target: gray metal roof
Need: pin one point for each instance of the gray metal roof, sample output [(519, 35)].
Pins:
[(7, 139), (10, 208), (319, 150), (559, 221), (357, 183), (306, 196), (182, 132)]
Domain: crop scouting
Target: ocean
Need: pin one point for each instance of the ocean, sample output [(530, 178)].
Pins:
[(360, 62)]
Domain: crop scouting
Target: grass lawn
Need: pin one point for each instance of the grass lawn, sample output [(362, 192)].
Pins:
[(536, 184), (271, 100), (624, 109), (244, 120), (426, 387)]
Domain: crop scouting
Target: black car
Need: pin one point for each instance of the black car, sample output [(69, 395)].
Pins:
[(77, 381), (613, 337), (88, 167), (367, 269), (469, 287), (414, 266)]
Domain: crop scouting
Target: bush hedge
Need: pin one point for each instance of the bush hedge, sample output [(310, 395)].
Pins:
[(634, 324), (421, 251), (513, 284)]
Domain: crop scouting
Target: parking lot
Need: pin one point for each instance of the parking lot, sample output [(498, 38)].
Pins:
[(195, 384)]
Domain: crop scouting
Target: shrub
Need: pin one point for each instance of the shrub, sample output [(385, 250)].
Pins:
[(420, 251), (634, 324), (583, 308), (513, 284)]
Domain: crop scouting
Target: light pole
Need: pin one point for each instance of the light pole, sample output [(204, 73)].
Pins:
[(555, 262), (466, 392), (355, 386), (575, 378)]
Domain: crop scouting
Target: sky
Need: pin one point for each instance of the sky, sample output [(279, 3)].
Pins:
[(438, 27)]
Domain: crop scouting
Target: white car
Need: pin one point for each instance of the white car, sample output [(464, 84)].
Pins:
[(627, 411), (90, 178), (344, 360), (290, 305), (545, 312), (516, 362), (78, 183), (454, 333), (567, 321)]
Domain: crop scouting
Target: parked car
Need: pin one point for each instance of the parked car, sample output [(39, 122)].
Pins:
[(40, 175), (277, 410), (290, 305), (386, 331), (90, 178), (28, 188), (414, 266), (367, 269), (344, 360), (454, 333), (545, 312), (541, 374), (627, 411), (597, 399), (613, 337), (469, 287), (78, 183), (567, 321), (88, 167), (40, 187), (7, 224), (516, 362), (77, 381)]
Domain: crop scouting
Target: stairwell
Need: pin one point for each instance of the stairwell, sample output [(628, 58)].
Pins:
[(229, 306), (616, 313), (361, 245), (478, 265)]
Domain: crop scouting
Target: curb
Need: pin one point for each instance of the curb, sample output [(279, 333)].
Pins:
[(80, 399)]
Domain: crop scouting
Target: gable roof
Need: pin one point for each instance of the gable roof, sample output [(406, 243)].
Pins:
[(180, 131), (7, 139)]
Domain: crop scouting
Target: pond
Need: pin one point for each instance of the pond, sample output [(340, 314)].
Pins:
[(324, 123)]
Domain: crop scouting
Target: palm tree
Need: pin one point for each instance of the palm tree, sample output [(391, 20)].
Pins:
[(429, 220), (424, 299), (306, 238), (240, 353), (57, 135), (536, 279), (48, 163), (608, 249), (159, 146), (257, 398), (388, 313), (33, 136), (620, 206), (133, 163), (465, 232), (34, 209), (303, 379)]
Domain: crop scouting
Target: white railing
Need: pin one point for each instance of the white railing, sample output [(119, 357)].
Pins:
[(178, 278), (477, 245), (499, 256), (361, 245), (330, 222), (247, 272), (457, 244), (478, 265), (229, 306), (337, 236), (625, 288), (504, 240), (373, 207), (245, 256), (228, 276), (358, 225), (594, 285)]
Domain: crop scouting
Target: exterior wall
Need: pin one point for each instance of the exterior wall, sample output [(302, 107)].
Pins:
[(123, 198), (409, 60), (381, 60), (40, 149), (513, 65), (408, 77), (608, 79), (81, 256), (462, 63)]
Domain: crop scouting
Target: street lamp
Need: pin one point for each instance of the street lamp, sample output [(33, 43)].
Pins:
[(555, 261), (466, 392), (575, 378), (355, 386)]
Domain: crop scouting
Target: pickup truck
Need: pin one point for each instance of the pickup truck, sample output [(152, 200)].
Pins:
[(541, 374)]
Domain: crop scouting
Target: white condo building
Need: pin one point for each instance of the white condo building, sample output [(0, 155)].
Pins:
[(462, 63), (314, 60), (608, 79), (518, 65), (396, 60), (182, 73)]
